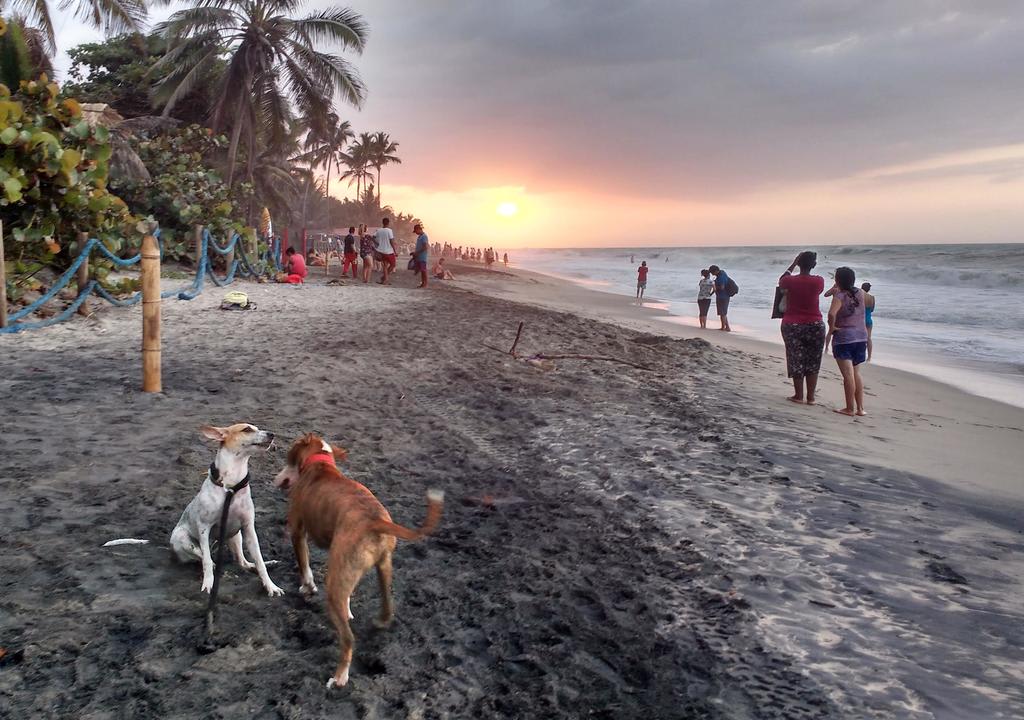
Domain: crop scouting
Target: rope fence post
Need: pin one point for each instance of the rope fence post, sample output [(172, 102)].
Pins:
[(3, 280), (197, 238), (82, 276), (151, 381)]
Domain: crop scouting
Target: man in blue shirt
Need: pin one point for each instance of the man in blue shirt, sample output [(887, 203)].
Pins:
[(722, 296), (422, 248)]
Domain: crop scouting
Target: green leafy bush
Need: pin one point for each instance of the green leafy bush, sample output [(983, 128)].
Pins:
[(185, 189), (53, 176)]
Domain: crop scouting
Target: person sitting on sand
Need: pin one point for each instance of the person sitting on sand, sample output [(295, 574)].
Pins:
[(641, 281), (722, 296), (849, 337), (440, 272), (295, 268), (705, 289), (869, 309), (315, 259), (803, 331)]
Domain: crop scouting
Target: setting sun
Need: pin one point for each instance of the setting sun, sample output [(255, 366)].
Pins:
[(507, 209)]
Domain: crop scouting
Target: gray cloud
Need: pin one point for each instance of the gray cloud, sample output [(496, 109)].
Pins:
[(689, 98)]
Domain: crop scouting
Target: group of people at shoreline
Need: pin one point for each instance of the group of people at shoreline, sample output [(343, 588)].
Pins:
[(804, 332), (805, 335)]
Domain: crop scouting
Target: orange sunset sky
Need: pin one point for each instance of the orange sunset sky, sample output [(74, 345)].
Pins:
[(696, 122)]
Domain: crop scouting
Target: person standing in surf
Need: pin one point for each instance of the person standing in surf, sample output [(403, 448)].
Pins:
[(722, 296), (641, 281), (705, 289), (803, 331), (848, 335)]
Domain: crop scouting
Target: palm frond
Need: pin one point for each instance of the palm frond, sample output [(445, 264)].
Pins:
[(330, 71), (111, 16), (37, 13), (336, 25)]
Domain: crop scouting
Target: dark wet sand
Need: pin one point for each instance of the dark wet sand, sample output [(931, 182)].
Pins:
[(616, 543)]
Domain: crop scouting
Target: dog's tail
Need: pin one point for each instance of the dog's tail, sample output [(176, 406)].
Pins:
[(435, 503)]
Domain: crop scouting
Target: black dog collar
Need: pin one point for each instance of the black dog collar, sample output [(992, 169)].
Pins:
[(215, 478)]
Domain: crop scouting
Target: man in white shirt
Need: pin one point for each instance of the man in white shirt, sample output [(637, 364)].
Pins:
[(384, 241)]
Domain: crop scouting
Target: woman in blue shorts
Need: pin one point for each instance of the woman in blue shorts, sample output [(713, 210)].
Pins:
[(848, 335)]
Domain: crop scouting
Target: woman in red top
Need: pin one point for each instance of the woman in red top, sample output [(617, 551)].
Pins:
[(803, 330)]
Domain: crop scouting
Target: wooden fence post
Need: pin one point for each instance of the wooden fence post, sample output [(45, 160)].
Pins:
[(197, 237), (82, 277), (229, 259), (3, 280), (151, 315)]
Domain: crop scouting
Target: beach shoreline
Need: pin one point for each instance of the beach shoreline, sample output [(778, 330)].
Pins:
[(617, 541), (977, 437)]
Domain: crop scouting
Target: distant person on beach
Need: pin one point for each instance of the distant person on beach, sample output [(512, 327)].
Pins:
[(366, 251), (295, 269), (315, 259), (722, 296), (803, 330), (420, 253), (641, 281), (705, 289), (506, 261), (383, 241), (350, 255), (869, 309), (848, 336)]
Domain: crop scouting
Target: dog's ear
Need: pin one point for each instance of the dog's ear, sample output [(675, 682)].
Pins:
[(213, 433), (340, 454)]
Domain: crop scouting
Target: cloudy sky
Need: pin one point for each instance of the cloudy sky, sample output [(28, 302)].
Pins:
[(699, 121)]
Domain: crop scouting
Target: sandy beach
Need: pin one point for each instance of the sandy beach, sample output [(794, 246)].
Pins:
[(676, 541)]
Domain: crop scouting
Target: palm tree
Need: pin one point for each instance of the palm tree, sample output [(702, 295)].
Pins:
[(383, 153), (325, 145), (272, 62), (357, 159), (111, 16)]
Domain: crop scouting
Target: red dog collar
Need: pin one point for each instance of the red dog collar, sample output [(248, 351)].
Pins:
[(324, 457)]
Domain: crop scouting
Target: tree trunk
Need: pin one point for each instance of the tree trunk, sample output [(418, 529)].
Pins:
[(329, 164), (236, 134), (379, 206)]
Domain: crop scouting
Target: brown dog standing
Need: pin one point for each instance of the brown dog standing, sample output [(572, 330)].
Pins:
[(340, 514)]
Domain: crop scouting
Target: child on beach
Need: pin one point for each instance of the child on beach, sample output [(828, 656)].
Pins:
[(848, 336), (705, 289), (350, 254), (641, 281), (869, 308)]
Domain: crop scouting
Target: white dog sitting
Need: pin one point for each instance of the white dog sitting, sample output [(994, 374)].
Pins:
[(229, 470)]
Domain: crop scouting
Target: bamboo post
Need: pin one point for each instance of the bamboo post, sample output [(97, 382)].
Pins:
[(197, 238), (151, 315), (3, 280), (82, 277)]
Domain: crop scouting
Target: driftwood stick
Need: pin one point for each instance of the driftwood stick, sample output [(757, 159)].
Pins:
[(512, 350), (545, 356)]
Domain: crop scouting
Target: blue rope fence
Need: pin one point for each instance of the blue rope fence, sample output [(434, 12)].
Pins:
[(240, 267)]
